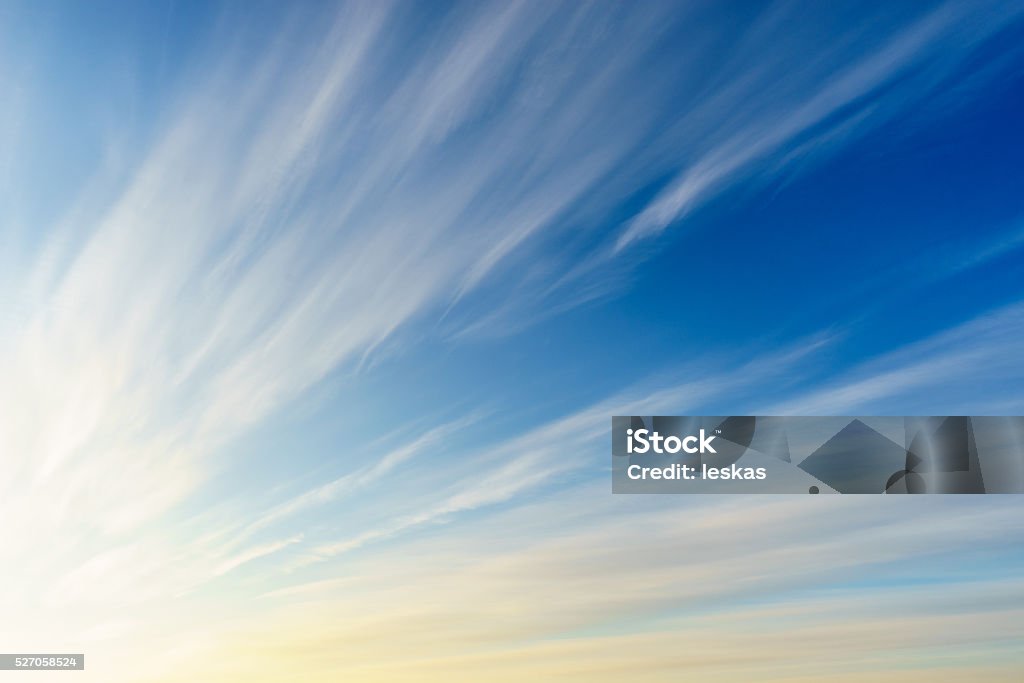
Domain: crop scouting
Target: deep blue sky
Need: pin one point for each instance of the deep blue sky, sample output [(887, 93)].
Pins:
[(865, 244)]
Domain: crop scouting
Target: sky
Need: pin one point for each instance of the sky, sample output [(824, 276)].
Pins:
[(313, 316)]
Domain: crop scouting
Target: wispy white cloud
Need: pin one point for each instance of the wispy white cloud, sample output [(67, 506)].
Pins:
[(494, 473), (254, 554), (978, 360), (735, 576), (781, 128), (224, 278), (977, 366)]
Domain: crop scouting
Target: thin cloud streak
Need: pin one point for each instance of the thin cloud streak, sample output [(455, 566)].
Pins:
[(979, 361), (782, 138)]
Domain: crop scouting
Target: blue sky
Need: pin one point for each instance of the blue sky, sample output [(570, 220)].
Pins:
[(300, 300)]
